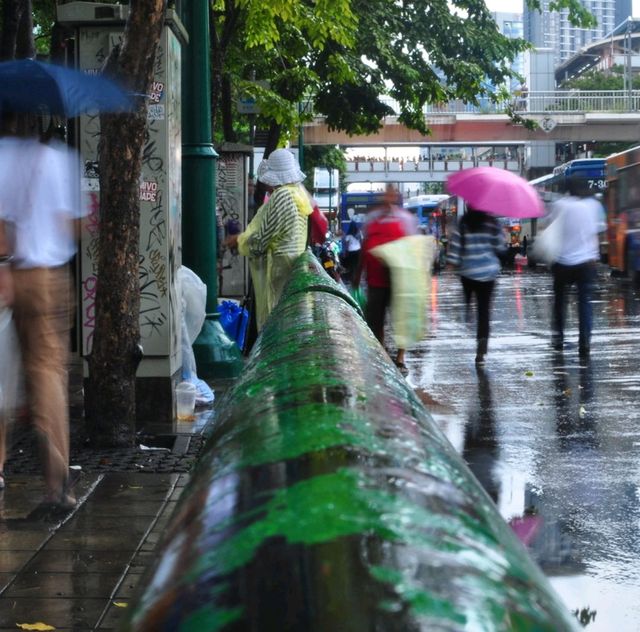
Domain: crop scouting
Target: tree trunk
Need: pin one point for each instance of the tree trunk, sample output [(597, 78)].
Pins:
[(25, 43), (273, 139), (226, 107), (116, 352), (12, 11)]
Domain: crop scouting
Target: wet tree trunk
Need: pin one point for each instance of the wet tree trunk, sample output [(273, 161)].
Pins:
[(114, 359), (16, 36)]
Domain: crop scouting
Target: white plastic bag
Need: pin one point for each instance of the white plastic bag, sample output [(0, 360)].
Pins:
[(546, 247), (10, 367), (194, 301)]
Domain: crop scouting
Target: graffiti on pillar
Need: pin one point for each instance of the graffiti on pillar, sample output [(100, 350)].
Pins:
[(159, 197), (232, 207)]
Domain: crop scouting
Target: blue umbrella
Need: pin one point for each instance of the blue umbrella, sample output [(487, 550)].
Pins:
[(31, 86)]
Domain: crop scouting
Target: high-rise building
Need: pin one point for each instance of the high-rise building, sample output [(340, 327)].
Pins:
[(552, 29), (510, 25)]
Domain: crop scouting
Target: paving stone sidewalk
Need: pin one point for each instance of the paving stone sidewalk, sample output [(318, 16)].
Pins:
[(79, 570)]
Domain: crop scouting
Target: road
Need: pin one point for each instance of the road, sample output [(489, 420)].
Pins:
[(555, 442)]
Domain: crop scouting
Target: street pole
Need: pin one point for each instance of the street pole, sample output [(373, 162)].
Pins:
[(216, 355), (300, 139), (330, 194)]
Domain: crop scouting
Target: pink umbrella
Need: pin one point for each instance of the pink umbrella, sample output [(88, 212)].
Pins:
[(496, 191)]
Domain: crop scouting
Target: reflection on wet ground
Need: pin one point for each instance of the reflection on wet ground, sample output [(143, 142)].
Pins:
[(555, 442)]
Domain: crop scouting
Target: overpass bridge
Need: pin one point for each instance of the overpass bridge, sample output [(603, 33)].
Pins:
[(561, 115), (431, 169)]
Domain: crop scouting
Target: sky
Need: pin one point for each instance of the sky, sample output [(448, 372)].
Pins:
[(516, 5)]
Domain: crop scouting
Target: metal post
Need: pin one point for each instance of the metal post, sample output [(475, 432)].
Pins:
[(628, 65), (330, 192), (216, 355), (300, 139)]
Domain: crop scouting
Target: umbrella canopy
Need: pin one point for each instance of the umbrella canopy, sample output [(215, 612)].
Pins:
[(496, 191), (31, 86)]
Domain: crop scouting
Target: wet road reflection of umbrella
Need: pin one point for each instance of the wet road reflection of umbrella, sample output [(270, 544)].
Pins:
[(496, 191), (33, 86)]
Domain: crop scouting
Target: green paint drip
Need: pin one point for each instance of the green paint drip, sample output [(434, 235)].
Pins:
[(420, 602), (210, 618), (344, 503)]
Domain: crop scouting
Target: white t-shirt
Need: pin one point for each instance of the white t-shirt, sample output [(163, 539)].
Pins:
[(582, 219), (39, 198), (352, 243)]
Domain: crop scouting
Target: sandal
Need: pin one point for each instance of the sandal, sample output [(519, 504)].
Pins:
[(402, 367)]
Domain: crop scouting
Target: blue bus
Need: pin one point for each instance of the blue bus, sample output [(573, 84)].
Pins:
[(355, 205), (432, 212), (593, 171)]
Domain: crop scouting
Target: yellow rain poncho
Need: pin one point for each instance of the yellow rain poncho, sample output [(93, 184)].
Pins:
[(273, 240), (409, 260)]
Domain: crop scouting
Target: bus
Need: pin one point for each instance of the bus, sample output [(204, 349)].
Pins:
[(622, 202), (554, 184), (356, 204), (433, 212), (547, 188), (591, 170)]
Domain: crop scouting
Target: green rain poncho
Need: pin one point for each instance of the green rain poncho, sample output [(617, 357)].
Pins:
[(273, 240)]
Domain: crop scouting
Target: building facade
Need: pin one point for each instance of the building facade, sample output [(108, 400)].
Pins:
[(552, 29), (511, 25)]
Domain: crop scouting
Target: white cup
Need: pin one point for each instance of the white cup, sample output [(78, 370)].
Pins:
[(185, 401)]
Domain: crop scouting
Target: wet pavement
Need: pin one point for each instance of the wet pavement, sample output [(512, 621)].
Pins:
[(78, 570), (554, 441)]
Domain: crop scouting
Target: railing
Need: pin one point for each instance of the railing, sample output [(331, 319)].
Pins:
[(431, 165), (328, 499), (540, 103)]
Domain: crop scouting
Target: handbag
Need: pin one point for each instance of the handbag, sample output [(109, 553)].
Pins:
[(546, 247)]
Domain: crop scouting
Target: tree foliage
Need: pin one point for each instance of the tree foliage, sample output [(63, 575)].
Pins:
[(345, 59), (326, 156), (612, 79)]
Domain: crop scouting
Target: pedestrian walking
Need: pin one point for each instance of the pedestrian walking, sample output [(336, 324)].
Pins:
[(39, 210), (351, 246), (383, 225), (581, 218), (475, 250), (277, 234)]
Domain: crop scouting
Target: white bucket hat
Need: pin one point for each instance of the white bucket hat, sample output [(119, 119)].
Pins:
[(281, 167)]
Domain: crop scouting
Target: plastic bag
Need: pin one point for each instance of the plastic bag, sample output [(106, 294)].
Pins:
[(194, 301), (409, 260), (9, 367), (359, 296), (546, 247), (234, 320)]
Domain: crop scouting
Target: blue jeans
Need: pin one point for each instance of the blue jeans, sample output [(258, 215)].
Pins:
[(583, 275)]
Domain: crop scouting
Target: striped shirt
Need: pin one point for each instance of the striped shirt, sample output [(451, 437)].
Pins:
[(479, 258), (283, 230)]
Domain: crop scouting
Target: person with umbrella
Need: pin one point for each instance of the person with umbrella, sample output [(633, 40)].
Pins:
[(477, 244), (38, 209), (475, 249)]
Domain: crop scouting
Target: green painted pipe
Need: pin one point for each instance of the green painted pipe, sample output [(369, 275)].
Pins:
[(328, 500)]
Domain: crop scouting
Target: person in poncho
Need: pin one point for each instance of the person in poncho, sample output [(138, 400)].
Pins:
[(277, 234)]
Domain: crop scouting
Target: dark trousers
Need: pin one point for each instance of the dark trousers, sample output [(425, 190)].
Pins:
[(483, 291), (378, 301), (583, 275)]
